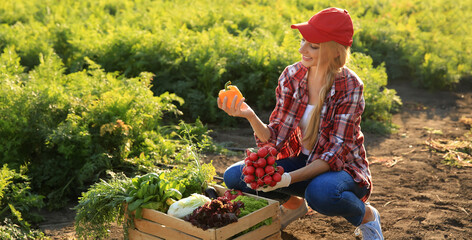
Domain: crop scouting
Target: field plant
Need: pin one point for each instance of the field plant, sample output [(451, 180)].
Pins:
[(194, 47), (380, 101), (69, 129), (17, 203), (421, 41)]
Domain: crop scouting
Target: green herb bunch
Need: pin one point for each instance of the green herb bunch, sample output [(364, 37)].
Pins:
[(251, 205), (105, 202), (100, 206)]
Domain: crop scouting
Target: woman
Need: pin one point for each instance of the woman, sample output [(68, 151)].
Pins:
[(316, 128)]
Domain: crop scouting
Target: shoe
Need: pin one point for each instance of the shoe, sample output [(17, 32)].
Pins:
[(371, 230), (289, 215)]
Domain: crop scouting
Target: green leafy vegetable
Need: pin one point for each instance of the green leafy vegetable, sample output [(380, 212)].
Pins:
[(100, 206), (185, 206), (251, 205), (152, 191), (216, 213)]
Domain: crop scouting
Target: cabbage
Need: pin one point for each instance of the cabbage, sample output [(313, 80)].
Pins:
[(185, 206)]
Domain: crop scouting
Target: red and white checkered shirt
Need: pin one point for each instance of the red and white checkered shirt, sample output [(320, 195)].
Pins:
[(340, 142)]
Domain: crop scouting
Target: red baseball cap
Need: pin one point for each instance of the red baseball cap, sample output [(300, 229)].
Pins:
[(331, 24)]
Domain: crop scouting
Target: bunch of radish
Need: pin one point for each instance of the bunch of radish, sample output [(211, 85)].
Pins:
[(260, 168)]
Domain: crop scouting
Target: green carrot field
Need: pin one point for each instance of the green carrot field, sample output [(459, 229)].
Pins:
[(90, 88)]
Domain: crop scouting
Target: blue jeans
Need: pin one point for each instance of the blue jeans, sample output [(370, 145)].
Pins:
[(330, 193)]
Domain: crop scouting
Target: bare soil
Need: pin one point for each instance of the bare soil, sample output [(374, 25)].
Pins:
[(418, 196)]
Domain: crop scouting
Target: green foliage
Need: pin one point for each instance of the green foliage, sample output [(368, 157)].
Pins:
[(159, 191), (192, 57), (251, 205), (100, 206), (152, 191), (195, 177), (418, 40), (16, 205), (71, 128), (104, 202), (380, 101), (10, 230), (248, 42)]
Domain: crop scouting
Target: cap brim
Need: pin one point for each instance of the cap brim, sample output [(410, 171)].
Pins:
[(309, 33)]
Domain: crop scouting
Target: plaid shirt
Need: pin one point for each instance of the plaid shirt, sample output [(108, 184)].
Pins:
[(340, 142)]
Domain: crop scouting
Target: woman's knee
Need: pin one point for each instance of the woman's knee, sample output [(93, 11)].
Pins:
[(322, 195), (232, 175)]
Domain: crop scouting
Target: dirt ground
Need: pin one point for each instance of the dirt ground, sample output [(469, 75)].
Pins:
[(417, 195)]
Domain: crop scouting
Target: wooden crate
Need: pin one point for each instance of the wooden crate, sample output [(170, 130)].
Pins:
[(157, 225)]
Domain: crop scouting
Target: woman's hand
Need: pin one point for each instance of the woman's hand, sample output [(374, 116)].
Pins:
[(240, 109), (284, 182)]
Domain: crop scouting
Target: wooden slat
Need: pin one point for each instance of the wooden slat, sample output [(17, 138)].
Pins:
[(177, 223), (263, 232), (134, 234), (163, 226), (248, 221), (260, 233), (272, 210), (275, 236), (161, 231)]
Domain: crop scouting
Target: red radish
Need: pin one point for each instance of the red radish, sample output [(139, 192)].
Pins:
[(249, 170), (236, 193), (262, 152), (227, 194), (261, 162), (269, 169), (248, 162), (270, 160), (249, 178), (277, 177), (253, 156), (260, 172), (267, 180), (273, 151), (248, 152), (261, 167), (260, 182), (231, 194)]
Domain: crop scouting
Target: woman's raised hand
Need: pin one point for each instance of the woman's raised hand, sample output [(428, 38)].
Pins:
[(236, 109)]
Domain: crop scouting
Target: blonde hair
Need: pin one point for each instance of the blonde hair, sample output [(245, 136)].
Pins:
[(336, 56)]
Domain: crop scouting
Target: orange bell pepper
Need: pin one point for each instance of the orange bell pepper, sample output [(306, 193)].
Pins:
[(230, 91)]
